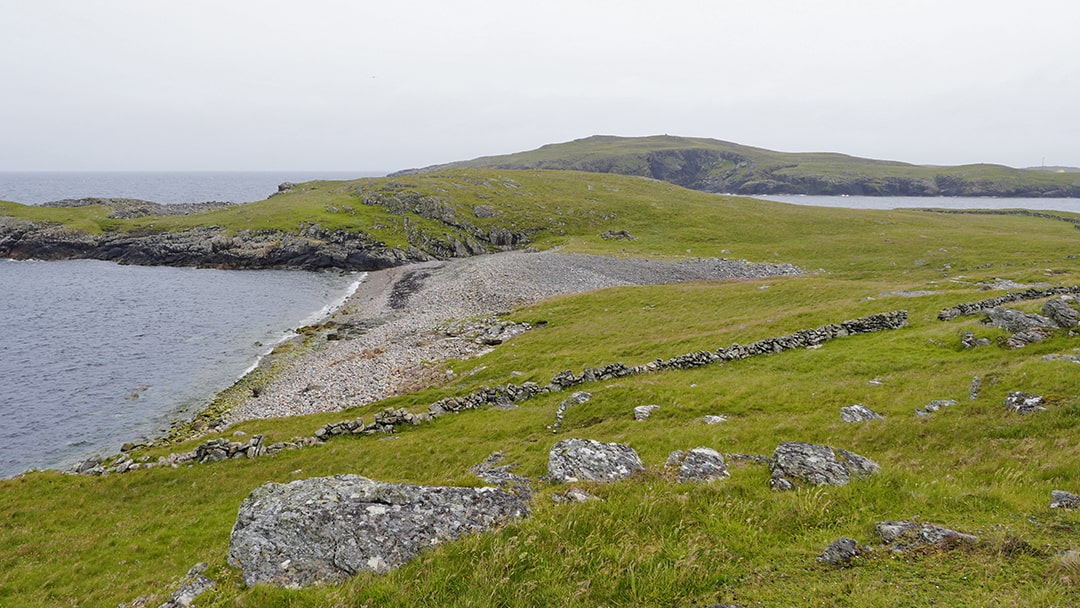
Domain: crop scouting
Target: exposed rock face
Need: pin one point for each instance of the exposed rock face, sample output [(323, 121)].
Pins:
[(584, 459), (1060, 499), (1061, 313), (858, 413), (934, 406), (326, 529), (817, 465), (642, 412), (1024, 403), (1014, 321), (841, 551), (908, 535), (699, 464)]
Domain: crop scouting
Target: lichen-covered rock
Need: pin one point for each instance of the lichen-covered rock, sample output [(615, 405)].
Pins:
[(841, 551), (819, 465), (1024, 403), (934, 406), (329, 528), (584, 459), (699, 464), (1059, 499), (908, 535), (858, 413), (1014, 321), (1061, 313), (642, 412)]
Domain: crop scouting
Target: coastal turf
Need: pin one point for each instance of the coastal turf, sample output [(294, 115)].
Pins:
[(98, 541)]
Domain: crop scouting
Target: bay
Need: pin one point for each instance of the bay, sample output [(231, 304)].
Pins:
[(95, 354)]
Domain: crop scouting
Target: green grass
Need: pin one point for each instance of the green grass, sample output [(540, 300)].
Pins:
[(83, 541)]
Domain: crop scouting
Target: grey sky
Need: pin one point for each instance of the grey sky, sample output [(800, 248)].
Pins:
[(340, 85)]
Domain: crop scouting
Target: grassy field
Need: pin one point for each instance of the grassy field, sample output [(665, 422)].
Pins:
[(974, 467)]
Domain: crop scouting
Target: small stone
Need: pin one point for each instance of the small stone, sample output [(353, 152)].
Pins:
[(858, 413), (1024, 403), (584, 459), (841, 551), (1059, 499), (642, 412), (713, 419)]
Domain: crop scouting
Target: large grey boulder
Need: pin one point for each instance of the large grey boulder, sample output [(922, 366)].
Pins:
[(329, 528), (584, 459), (806, 463), (699, 464), (1061, 313), (1014, 321)]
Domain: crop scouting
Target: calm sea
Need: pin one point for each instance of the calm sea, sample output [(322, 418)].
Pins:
[(94, 354), (944, 202)]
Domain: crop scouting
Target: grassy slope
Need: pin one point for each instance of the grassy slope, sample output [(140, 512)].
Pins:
[(627, 155), (74, 541)]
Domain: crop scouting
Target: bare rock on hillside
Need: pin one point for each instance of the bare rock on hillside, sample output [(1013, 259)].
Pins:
[(858, 413), (642, 412), (329, 528), (193, 586), (796, 463), (585, 459), (841, 551), (699, 464), (1024, 403), (1014, 321), (902, 536), (1061, 313), (934, 406), (1059, 499)]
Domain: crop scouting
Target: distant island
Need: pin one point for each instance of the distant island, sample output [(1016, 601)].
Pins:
[(718, 166)]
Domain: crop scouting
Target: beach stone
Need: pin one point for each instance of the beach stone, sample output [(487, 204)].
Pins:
[(858, 413), (585, 459), (1024, 403), (841, 551), (1059, 499), (1061, 313), (642, 412), (699, 464), (904, 536), (329, 528), (794, 462)]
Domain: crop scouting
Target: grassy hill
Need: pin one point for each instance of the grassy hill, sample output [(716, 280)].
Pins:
[(98, 541), (719, 166)]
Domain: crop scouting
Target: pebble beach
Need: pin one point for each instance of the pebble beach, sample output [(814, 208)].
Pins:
[(405, 312)]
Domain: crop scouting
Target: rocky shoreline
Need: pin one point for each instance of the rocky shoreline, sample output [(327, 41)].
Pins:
[(388, 337)]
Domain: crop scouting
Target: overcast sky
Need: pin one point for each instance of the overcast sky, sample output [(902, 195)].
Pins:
[(359, 85)]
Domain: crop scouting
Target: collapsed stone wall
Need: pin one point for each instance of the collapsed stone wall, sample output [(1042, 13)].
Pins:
[(974, 308)]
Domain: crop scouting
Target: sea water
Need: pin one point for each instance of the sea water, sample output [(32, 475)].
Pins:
[(95, 354)]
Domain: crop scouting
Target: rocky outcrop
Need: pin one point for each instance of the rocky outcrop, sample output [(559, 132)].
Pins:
[(1024, 403), (1060, 499), (1061, 313), (795, 463), (903, 536), (212, 247), (698, 464), (584, 459), (841, 551), (858, 413), (327, 529)]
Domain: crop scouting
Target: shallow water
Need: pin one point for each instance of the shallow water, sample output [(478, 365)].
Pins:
[(94, 354)]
